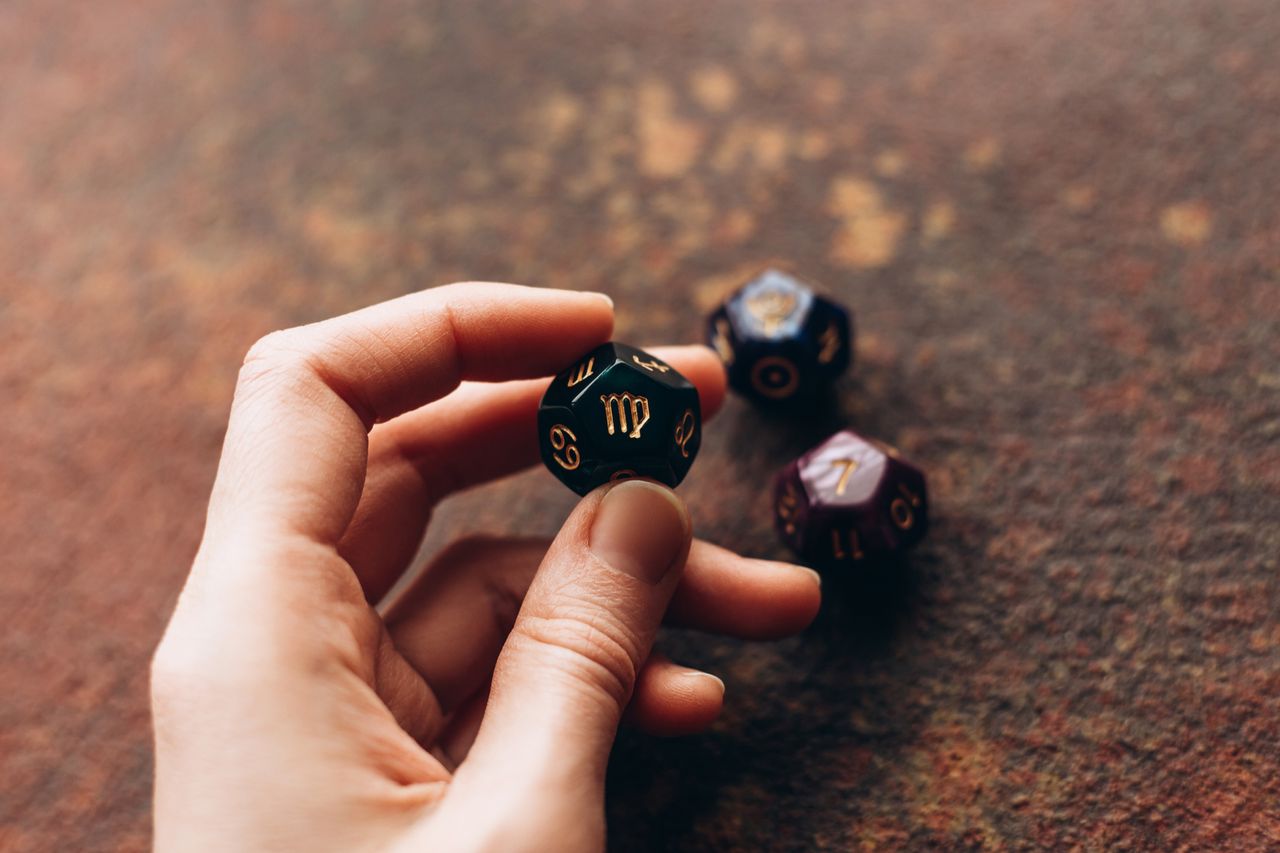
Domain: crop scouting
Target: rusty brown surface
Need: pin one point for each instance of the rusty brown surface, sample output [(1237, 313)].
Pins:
[(1057, 223)]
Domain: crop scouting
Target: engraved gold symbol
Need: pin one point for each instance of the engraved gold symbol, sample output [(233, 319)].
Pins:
[(623, 403), (622, 474), (771, 308), (562, 438), (830, 341), (720, 340), (651, 365), (850, 465), (584, 370), (684, 432), (775, 377), (901, 509), (788, 504), (838, 549)]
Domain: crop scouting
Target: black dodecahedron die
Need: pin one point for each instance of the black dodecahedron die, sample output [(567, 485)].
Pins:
[(850, 499), (619, 412), (779, 340)]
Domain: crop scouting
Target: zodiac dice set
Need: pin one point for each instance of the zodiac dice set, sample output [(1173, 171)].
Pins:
[(621, 412)]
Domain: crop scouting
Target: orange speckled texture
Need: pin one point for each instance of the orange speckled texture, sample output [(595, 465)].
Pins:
[(1057, 223)]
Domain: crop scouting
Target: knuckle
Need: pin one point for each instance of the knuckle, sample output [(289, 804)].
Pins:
[(310, 361), (273, 357), (273, 349), (588, 645)]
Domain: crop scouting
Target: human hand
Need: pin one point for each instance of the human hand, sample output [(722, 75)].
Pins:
[(479, 711)]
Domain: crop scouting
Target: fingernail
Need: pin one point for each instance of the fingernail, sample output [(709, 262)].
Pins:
[(640, 529), (606, 297), (709, 677), (817, 578)]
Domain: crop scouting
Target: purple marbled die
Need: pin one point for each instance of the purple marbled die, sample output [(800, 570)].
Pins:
[(850, 499)]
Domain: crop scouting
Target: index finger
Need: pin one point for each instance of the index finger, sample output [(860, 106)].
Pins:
[(297, 441)]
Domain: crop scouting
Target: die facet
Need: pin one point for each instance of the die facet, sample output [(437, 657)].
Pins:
[(619, 412), (779, 340), (848, 500)]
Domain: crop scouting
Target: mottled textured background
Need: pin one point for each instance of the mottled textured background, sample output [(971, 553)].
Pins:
[(1056, 221)]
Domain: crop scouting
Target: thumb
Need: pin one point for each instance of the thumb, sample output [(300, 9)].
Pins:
[(569, 665)]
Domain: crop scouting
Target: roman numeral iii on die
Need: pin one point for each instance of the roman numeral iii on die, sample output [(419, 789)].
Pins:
[(619, 412)]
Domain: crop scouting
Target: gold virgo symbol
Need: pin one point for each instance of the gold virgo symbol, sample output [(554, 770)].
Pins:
[(637, 405)]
